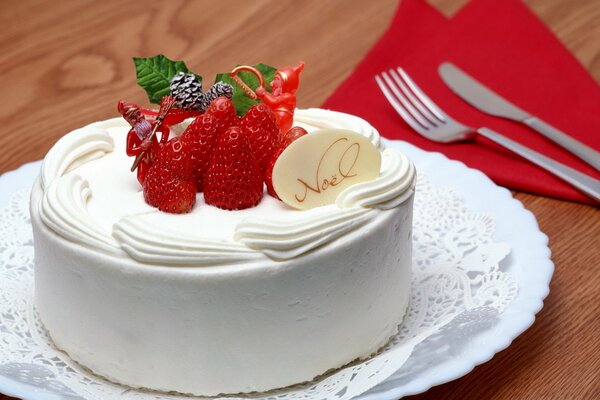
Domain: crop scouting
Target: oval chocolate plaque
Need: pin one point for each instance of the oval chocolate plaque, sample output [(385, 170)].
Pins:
[(315, 168)]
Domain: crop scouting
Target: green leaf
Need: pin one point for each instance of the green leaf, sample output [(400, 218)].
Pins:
[(241, 100), (154, 74)]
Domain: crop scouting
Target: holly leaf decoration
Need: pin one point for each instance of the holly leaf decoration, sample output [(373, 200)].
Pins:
[(241, 100), (154, 74)]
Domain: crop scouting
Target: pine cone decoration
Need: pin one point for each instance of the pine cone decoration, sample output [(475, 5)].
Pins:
[(187, 91), (217, 90)]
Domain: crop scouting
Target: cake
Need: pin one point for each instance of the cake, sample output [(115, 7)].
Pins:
[(215, 301)]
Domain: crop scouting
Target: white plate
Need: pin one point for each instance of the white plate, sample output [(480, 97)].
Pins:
[(529, 263)]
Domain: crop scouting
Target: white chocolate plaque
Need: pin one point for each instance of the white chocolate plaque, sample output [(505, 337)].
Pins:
[(315, 168)]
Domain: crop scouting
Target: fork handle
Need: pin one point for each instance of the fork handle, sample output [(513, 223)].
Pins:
[(582, 151), (583, 182)]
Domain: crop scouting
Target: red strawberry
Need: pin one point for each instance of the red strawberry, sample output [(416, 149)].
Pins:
[(288, 138), (224, 112), (233, 180), (200, 137), (169, 184), (260, 127), (291, 135)]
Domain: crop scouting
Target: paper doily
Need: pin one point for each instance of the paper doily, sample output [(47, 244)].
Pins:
[(458, 285)]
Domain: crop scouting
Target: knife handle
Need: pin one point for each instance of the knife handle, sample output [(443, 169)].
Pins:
[(583, 182), (582, 151)]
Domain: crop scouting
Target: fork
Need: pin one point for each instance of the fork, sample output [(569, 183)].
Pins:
[(425, 117)]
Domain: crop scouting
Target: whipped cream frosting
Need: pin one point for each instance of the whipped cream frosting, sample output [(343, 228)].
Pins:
[(117, 219), (78, 147), (138, 238), (280, 239), (216, 301), (64, 211), (318, 118), (395, 183)]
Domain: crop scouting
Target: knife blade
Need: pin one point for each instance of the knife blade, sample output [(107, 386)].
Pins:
[(487, 101), (478, 95)]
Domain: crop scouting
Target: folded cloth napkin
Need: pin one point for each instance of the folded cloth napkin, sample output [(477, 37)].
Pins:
[(505, 46)]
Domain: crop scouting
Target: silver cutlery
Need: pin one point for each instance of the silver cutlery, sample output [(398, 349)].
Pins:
[(489, 102), (427, 119)]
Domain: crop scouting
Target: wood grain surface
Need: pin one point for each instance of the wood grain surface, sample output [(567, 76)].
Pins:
[(64, 64)]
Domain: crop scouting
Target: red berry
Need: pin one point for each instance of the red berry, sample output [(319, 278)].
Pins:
[(269, 172), (291, 135), (169, 184), (260, 127), (224, 112), (233, 180), (200, 138)]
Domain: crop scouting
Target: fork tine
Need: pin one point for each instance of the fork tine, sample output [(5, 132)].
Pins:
[(405, 102), (415, 101), (422, 96), (404, 114)]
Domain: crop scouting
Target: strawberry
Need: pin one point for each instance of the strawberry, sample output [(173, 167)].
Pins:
[(291, 135), (169, 183), (200, 137), (224, 112), (260, 127), (269, 172), (233, 180)]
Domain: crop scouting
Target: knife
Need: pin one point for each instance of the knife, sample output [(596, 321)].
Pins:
[(484, 99)]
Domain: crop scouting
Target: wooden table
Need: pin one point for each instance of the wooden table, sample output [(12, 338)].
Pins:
[(64, 64)]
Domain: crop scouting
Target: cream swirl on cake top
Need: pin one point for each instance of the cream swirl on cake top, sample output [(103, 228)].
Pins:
[(76, 148), (395, 183), (90, 199)]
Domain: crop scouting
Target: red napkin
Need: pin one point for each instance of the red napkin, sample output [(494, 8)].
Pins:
[(505, 46)]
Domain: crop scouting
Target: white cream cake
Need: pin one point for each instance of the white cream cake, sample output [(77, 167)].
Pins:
[(216, 301)]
